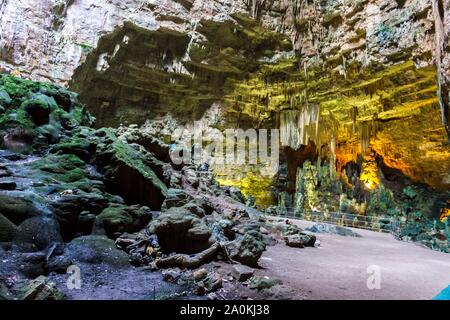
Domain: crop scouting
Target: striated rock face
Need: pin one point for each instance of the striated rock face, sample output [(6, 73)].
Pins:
[(47, 40), (156, 72), (364, 30), (50, 39)]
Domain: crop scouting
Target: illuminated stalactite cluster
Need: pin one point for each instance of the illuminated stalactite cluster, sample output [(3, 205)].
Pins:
[(389, 111)]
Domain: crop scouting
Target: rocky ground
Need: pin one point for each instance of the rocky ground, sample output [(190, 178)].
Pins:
[(110, 203)]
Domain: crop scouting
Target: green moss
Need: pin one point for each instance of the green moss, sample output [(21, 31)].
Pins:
[(41, 104), (86, 47), (16, 118), (39, 108), (132, 157), (63, 168), (5, 99)]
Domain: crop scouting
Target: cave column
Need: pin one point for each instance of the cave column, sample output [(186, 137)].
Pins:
[(441, 10)]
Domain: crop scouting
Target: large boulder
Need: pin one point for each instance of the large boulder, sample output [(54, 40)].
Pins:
[(75, 210), (17, 209), (300, 240), (67, 210), (179, 230), (117, 219), (96, 249), (129, 172), (38, 233), (175, 198), (33, 264), (247, 249)]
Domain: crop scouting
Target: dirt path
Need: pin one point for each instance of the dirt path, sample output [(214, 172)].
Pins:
[(338, 268)]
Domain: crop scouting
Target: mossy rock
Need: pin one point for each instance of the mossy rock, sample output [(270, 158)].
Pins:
[(410, 192), (41, 289), (39, 107), (263, 283), (40, 102), (78, 146), (95, 249), (117, 219), (51, 132), (248, 248), (5, 99), (412, 229), (63, 168), (128, 171), (179, 230)]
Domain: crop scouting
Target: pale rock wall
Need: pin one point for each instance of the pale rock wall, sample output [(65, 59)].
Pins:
[(363, 30), (49, 39)]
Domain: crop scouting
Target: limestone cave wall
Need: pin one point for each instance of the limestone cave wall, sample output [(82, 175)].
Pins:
[(356, 79)]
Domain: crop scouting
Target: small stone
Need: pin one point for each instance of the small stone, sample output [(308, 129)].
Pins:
[(200, 290), (212, 296), (262, 283), (242, 273), (214, 282), (171, 275), (152, 266), (200, 274)]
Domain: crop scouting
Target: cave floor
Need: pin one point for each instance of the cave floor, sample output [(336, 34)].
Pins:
[(338, 268)]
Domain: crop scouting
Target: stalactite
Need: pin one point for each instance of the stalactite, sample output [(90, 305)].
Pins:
[(353, 116), (333, 156), (367, 130), (297, 127), (289, 133), (191, 42), (344, 66)]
